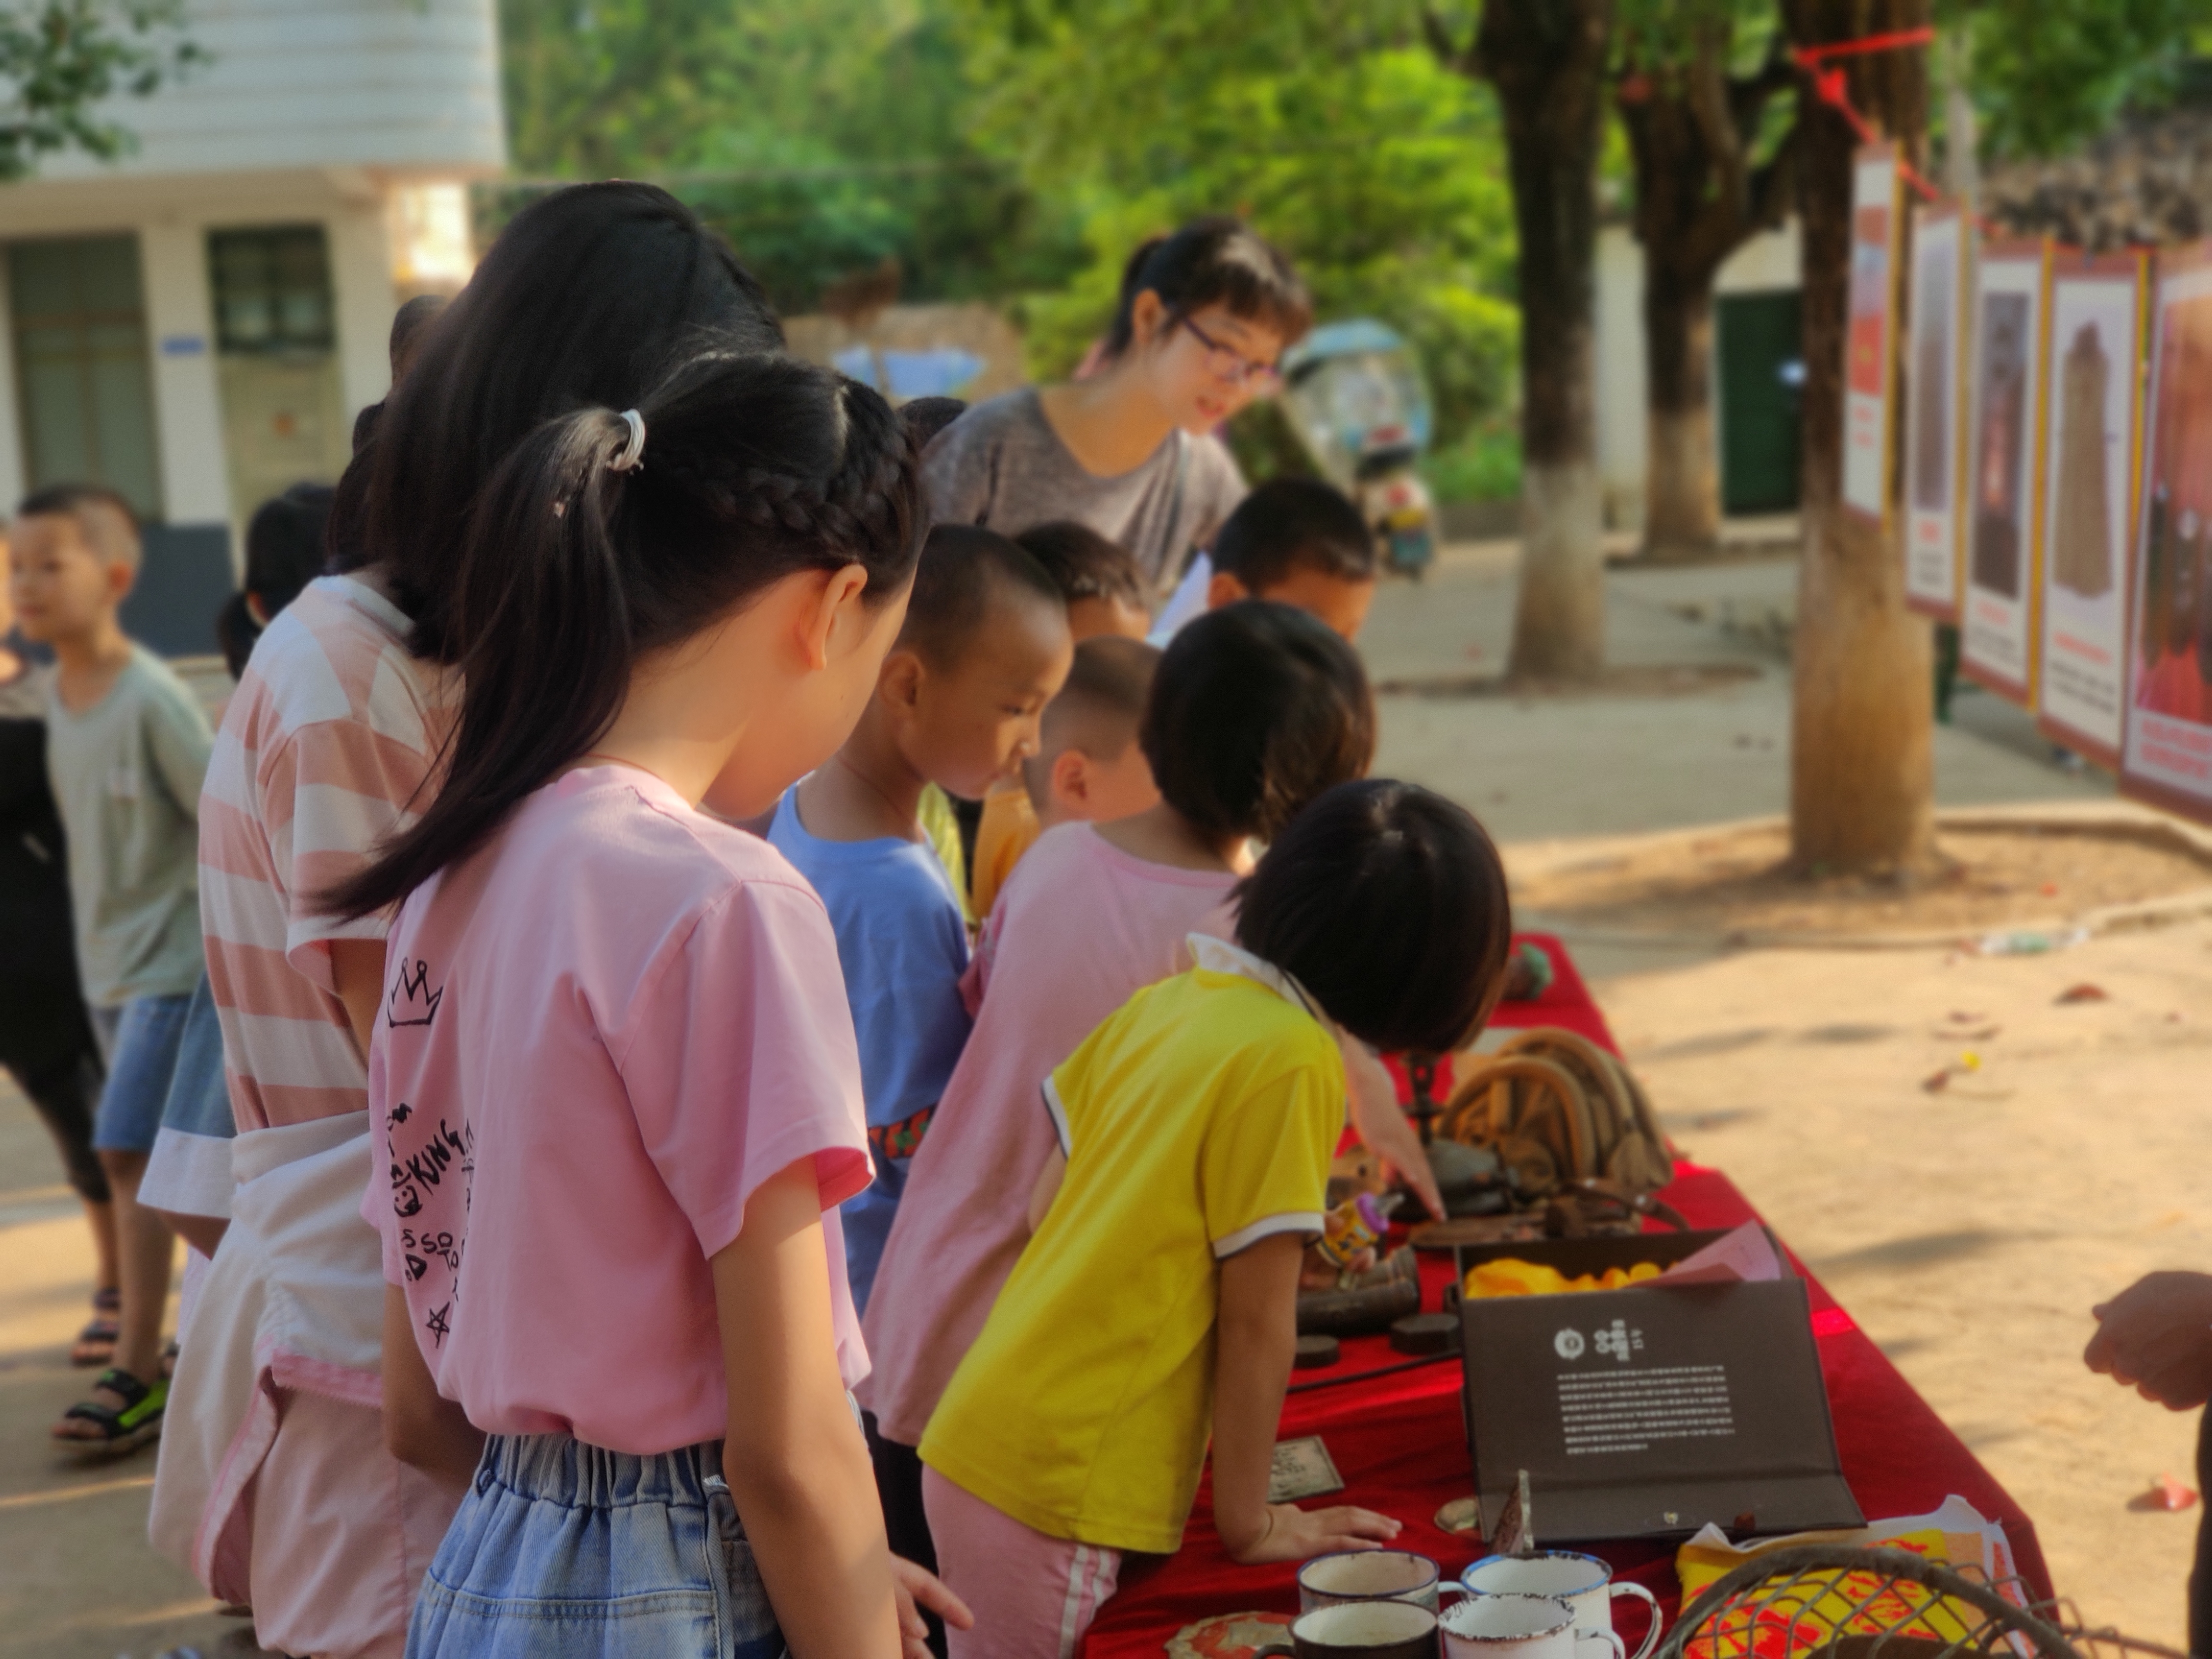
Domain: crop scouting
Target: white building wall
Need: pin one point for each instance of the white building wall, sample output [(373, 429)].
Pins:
[(404, 86), (1767, 262), (187, 404)]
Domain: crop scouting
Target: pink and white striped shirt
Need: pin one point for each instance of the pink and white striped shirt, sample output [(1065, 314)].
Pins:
[(322, 753)]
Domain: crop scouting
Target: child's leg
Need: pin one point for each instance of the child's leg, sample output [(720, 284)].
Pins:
[(1033, 1596), (143, 1056)]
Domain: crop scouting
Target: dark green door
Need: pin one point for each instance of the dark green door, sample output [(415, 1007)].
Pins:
[(1762, 375)]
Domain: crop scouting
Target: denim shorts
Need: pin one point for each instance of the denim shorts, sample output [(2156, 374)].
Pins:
[(562, 1550), (140, 1039)]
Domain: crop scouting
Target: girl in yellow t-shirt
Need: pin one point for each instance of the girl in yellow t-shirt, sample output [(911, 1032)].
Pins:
[(1156, 1305)]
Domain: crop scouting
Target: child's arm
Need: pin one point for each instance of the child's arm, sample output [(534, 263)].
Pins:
[(1256, 1334), (180, 742), (797, 1466), (421, 1425), (1371, 1100)]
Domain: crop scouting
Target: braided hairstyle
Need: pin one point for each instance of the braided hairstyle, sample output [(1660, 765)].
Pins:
[(589, 296), (754, 468)]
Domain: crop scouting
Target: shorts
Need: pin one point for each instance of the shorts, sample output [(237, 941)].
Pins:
[(562, 1550), (140, 1039), (189, 1173), (1033, 1596)]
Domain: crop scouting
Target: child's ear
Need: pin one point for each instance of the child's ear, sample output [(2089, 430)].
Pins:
[(1071, 779), (1224, 589), (900, 683), (121, 578)]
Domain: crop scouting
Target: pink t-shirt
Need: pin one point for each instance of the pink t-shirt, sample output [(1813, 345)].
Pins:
[(599, 1034), (1079, 928)]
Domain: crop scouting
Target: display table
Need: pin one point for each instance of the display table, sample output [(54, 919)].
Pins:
[(1399, 1439)]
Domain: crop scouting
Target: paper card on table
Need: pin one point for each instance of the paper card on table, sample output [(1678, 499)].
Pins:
[(1301, 1468), (1746, 1256)]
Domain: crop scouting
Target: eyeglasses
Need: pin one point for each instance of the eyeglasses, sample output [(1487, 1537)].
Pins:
[(1231, 365)]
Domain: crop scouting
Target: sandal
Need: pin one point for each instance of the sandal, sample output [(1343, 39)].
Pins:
[(95, 1343), (124, 1430)]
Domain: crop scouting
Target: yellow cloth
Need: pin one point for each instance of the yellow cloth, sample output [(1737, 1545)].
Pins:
[(934, 811), (1009, 829), (1510, 1276), (1199, 1119)]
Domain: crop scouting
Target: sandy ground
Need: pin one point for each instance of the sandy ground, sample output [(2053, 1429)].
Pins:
[(1969, 1232)]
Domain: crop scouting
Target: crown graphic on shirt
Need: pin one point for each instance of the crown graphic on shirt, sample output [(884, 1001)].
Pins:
[(412, 1002)]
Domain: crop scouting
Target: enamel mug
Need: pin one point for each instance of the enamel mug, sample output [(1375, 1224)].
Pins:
[(1584, 1583), (1513, 1626), (1329, 1581), (1361, 1630)]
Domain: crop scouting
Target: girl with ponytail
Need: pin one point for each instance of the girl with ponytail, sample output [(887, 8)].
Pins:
[(1127, 451), (614, 1093)]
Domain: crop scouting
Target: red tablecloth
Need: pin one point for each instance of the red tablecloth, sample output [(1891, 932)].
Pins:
[(1400, 1442)]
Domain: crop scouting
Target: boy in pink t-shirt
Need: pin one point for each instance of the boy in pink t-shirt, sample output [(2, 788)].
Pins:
[(1254, 710)]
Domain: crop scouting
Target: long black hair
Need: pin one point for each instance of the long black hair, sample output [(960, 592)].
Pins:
[(589, 296), (754, 467), (1213, 260)]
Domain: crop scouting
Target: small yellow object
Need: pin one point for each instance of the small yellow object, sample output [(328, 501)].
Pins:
[(1970, 1061), (1510, 1276)]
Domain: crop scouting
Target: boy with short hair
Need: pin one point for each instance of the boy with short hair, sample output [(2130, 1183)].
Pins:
[(1098, 578), (1105, 595), (127, 748), (1088, 769), (983, 649), (1298, 541)]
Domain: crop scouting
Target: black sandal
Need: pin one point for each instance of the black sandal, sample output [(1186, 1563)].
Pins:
[(124, 1430), (95, 1343)]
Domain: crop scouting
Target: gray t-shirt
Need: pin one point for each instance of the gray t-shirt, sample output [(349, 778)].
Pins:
[(1001, 465), (127, 774)]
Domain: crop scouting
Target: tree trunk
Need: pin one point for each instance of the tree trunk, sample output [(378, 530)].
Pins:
[(1862, 756), (1546, 59), (1682, 493)]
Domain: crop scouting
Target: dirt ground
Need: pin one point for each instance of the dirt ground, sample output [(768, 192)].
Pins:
[(1969, 1231), (1733, 881)]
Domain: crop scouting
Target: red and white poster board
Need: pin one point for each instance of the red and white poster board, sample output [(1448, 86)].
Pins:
[(1869, 376), (2004, 451), (1935, 411), (2169, 748), (2090, 466)]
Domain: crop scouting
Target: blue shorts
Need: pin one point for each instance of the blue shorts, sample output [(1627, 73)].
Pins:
[(562, 1551), (140, 1040)]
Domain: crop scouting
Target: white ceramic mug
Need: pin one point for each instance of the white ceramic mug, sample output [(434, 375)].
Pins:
[(1329, 1581), (1583, 1582), (1359, 1630), (1521, 1627)]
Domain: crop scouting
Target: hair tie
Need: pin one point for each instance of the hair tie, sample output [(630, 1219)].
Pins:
[(631, 455)]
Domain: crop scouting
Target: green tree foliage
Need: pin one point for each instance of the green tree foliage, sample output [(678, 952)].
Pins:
[(822, 136), (1329, 124), (2047, 74), (62, 60)]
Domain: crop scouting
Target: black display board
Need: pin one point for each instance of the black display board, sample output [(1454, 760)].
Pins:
[(1649, 1410)]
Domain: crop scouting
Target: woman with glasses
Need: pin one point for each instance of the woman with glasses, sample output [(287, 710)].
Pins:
[(1129, 451)]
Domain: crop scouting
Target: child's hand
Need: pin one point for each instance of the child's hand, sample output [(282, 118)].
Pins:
[(913, 1585), (1291, 1534), (1371, 1102)]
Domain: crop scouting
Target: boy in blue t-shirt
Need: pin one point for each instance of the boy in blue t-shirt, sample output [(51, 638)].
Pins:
[(985, 646)]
